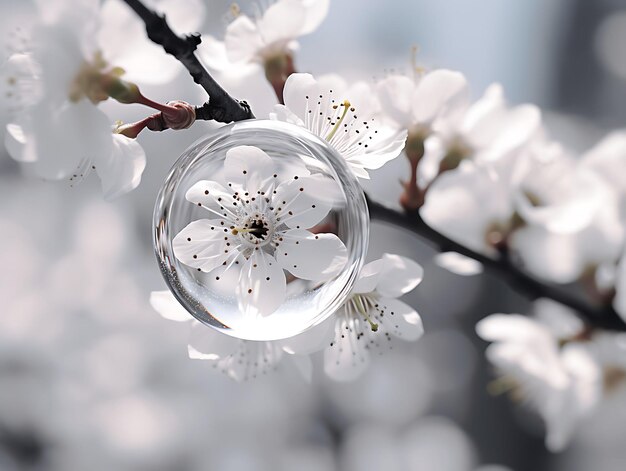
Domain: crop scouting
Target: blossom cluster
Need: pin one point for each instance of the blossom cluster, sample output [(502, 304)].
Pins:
[(484, 173)]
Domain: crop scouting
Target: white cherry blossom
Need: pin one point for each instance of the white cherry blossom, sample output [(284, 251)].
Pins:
[(273, 32), (561, 383), (364, 325), (416, 104), (58, 130), (471, 204), (259, 216), (486, 131), (239, 359), (347, 117), (571, 218)]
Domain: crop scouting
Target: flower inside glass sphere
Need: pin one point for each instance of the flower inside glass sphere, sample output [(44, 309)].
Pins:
[(261, 229), (261, 219)]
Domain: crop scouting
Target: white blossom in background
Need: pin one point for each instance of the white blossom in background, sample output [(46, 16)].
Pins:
[(474, 162), (123, 40), (256, 56), (487, 131), (563, 384), (570, 217), (58, 129), (417, 104), (364, 325), (471, 204), (348, 118), (269, 36), (239, 359), (259, 216), (607, 159)]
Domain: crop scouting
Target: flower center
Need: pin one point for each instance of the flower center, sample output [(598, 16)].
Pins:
[(256, 230), (362, 303)]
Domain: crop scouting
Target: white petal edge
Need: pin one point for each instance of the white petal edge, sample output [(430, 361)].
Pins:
[(262, 285), (168, 307), (316, 257)]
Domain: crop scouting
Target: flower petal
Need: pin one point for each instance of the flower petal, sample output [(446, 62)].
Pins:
[(284, 114), (396, 93), (283, 20), (368, 277), (440, 92), (262, 285), (144, 61), (203, 244), (512, 328), (218, 200), (312, 340), (69, 135), (458, 264), (243, 39), (18, 145), (398, 276), (305, 201), (120, 171), (315, 12), (297, 88), (391, 276), (213, 53), (207, 343), (347, 357), (466, 202), (166, 304), (606, 158), (316, 257), (399, 319), (248, 167)]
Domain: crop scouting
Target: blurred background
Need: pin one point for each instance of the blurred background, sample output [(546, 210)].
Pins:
[(92, 378)]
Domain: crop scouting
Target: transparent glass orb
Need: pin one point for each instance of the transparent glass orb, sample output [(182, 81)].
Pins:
[(215, 302)]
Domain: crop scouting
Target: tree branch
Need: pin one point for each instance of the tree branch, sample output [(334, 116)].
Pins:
[(502, 267), (220, 106), (224, 108)]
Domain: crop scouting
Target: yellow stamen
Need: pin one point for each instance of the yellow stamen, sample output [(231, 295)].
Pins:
[(333, 131), (417, 69), (359, 304)]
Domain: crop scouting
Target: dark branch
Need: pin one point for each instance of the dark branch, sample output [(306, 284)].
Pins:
[(221, 106), (224, 108), (502, 267)]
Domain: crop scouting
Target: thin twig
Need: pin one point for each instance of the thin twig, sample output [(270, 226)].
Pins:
[(220, 106), (502, 267)]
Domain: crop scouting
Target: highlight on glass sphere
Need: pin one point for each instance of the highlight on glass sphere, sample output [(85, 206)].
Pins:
[(260, 230)]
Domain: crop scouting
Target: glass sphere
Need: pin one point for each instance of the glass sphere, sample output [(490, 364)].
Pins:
[(215, 297)]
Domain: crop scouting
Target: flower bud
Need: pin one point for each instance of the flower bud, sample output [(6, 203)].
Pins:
[(182, 118)]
